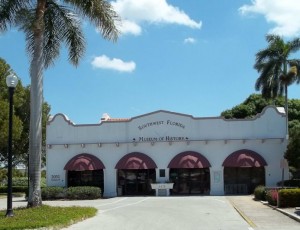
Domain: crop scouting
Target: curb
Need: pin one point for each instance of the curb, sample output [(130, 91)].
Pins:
[(291, 215)]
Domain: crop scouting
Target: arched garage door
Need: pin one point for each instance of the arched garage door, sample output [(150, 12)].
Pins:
[(85, 170), (136, 171), (243, 171), (190, 173)]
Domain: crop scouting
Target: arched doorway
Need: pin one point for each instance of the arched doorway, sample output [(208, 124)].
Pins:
[(135, 173), (85, 170), (190, 173), (243, 171)]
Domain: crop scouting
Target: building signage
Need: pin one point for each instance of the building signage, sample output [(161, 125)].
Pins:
[(55, 177), (165, 138), (161, 123), (162, 138)]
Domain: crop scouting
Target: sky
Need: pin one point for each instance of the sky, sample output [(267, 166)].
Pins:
[(193, 57)]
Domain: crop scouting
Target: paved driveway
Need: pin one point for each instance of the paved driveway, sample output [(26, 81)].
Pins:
[(184, 213), (155, 213)]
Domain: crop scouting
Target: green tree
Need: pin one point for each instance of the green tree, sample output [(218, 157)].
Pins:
[(4, 113), (47, 24), (21, 119), (276, 67), (292, 153), (255, 103)]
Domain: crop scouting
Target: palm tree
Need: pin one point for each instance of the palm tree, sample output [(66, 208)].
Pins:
[(47, 24), (277, 70)]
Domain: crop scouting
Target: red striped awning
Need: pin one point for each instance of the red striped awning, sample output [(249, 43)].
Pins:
[(244, 158), (84, 162), (189, 159), (136, 160)]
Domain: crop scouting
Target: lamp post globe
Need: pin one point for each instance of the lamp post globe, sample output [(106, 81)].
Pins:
[(11, 82)]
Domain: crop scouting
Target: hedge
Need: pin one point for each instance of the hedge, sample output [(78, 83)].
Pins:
[(260, 192), (23, 181), (272, 196), (83, 193), (71, 193), (23, 189), (53, 193), (289, 198), (290, 183)]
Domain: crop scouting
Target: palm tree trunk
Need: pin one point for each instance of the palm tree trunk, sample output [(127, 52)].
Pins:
[(286, 110), (36, 101)]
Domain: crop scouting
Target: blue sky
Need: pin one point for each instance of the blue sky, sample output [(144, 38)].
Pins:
[(194, 57)]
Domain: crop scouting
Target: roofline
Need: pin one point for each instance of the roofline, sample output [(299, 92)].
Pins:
[(122, 120)]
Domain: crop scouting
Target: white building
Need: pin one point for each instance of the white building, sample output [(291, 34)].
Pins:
[(199, 155)]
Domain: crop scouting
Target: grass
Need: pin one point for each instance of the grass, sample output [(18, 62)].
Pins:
[(45, 217)]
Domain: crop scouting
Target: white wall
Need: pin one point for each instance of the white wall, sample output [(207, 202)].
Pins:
[(214, 138)]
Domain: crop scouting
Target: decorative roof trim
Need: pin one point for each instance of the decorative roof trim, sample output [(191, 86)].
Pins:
[(121, 120)]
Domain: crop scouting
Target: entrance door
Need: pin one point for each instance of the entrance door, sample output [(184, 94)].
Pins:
[(190, 181), (136, 181), (243, 180), (86, 178)]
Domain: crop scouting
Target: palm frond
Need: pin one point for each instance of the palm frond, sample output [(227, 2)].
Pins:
[(61, 24), (9, 11), (268, 81), (272, 65), (294, 45), (100, 13)]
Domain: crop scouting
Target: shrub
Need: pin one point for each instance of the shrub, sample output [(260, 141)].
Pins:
[(290, 183), (260, 192), (22, 189), (43, 182), (20, 181), (83, 193), (272, 196), (289, 198), (52, 193)]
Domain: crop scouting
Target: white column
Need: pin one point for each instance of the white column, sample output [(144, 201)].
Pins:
[(167, 174), (216, 181), (110, 182)]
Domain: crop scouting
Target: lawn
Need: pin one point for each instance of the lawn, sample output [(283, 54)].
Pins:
[(45, 217)]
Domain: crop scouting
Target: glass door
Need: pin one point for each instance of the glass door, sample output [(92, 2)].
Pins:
[(136, 181)]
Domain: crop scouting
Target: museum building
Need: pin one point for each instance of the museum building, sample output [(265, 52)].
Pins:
[(205, 156)]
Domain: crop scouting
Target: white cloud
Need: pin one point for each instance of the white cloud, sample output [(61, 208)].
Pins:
[(129, 27), (285, 14), (104, 62), (189, 41), (135, 12)]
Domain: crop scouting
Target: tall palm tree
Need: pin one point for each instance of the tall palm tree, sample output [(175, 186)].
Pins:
[(276, 68), (47, 24)]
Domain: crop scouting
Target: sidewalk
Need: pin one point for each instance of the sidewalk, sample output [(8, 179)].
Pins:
[(259, 215)]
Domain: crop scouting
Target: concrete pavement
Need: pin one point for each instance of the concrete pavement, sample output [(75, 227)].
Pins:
[(261, 216), (195, 212)]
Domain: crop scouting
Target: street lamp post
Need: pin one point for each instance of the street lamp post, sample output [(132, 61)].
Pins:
[(11, 82)]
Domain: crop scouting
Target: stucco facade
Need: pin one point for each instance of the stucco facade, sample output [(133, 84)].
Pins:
[(161, 136)]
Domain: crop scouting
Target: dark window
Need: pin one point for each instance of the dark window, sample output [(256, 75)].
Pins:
[(162, 173), (190, 181), (243, 180), (86, 178), (136, 181)]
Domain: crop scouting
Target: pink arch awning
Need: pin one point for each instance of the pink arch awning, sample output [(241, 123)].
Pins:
[(189, 159), (84, 162), (136, 160), (244, 158)]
